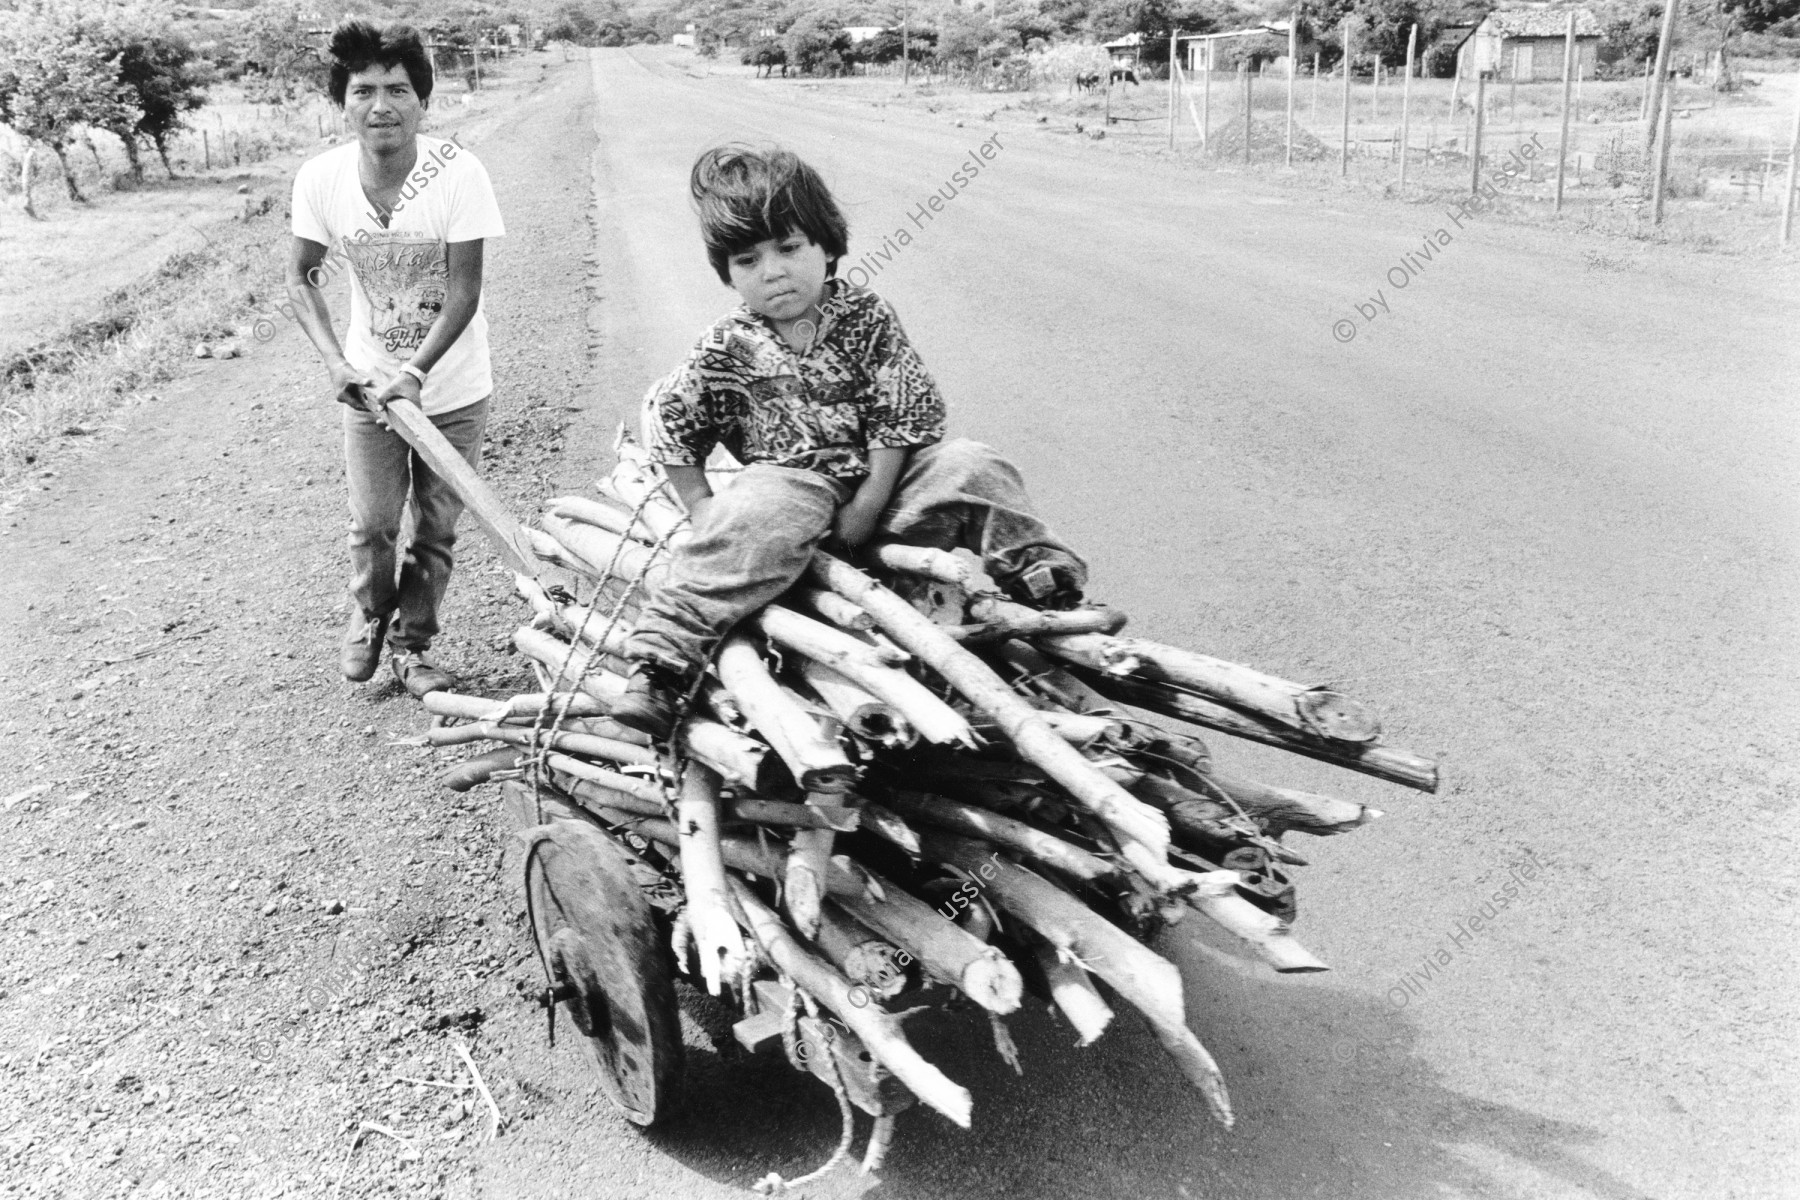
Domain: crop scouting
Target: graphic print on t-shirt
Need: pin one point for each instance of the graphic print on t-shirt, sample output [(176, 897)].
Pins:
[(405, 276)]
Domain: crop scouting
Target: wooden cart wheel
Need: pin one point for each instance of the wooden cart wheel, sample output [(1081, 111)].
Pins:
[(606, 960)]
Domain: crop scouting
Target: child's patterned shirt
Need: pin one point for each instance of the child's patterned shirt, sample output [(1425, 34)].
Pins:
[(860, 385)]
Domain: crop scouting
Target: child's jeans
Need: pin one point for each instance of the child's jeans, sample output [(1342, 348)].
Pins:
[(383, 474), (759, 534)]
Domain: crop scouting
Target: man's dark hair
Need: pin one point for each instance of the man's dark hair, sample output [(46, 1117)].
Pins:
[(357, 45), (745, 196)]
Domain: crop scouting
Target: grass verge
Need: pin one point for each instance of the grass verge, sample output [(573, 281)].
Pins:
[(65, 388)]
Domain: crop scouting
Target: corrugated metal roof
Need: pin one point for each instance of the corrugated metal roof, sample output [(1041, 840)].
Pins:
[(1541, 22)]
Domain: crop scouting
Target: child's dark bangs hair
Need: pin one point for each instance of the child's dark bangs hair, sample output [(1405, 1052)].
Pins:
[(357, 45), (745, 196)]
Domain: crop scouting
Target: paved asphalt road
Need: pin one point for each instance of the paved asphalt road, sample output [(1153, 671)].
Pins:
[(1539, 509)]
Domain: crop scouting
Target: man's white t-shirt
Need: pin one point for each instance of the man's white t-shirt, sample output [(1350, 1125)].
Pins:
[(399, 276)]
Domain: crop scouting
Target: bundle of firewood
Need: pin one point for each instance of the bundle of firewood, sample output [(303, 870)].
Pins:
[(895, 778)]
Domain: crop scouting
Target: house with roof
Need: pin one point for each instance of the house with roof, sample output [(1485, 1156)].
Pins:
[(1524, 42)]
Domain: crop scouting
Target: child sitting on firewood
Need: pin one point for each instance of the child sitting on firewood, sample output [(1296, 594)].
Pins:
[(813, 386)]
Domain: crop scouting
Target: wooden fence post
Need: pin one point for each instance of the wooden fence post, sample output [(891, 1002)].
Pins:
[(1787, 197), (1293, 50)]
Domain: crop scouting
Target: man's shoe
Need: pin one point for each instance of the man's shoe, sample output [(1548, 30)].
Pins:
[(419, 675), (648, 705), (361, 651), (1048, 584)]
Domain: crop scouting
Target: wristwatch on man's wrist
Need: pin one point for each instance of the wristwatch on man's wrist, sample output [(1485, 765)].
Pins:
[(415, 372)]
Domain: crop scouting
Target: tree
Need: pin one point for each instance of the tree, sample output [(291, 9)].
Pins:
[(1724, 18), (281, 53), (573, 23), (53, 81), (166, 78), (765, 54), (817, 44)]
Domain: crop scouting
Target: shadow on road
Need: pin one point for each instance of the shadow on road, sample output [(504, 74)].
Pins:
[(1331, 1100)]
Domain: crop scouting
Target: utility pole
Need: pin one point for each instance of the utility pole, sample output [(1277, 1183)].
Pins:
[(1174, 43), (1787, 197), (905, 43), (1412, 45), (1344, 145), (1562, 147), (1293, 52), (1658, 84), (1480, 117)]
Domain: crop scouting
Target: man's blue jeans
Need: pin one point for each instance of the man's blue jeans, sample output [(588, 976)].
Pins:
[(383, 474), (759, 535)]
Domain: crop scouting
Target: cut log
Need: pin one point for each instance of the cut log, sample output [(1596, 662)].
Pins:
[(524, 735), (818, 762), (742, 761), (946, 950), (479, 708), (1143, 832), (803, 882), (861, 711), (879, 820), (1074, 994), (996, 619), (1318, 712), (1028, 666), (931, 717), (1267, 935), (1150, 983), (1280, 809), (879, 1029), (835, 608), (600, 550), (922, 561), (864, 959), (833, 647), (608, 515), (1078, 729), (721, 949), (597, 630), (1384, 762), (1027, 840), (580, 671), (643, 790), (478, 770)]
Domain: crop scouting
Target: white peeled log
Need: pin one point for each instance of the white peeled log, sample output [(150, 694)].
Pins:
[(1074, 994), (923, 561), (997, 619), (566, 741), (1027, 840), (835, 608), (818, 762), (738, 759), (934, 720), (879, 1029), (552, 653), (608, 515), (518, 708), (1319, 712), (1149, 982), (594, 629), (1142, 831), (946, 950), (717, 941), (1268, 936), (600, 549), (862, 712)]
